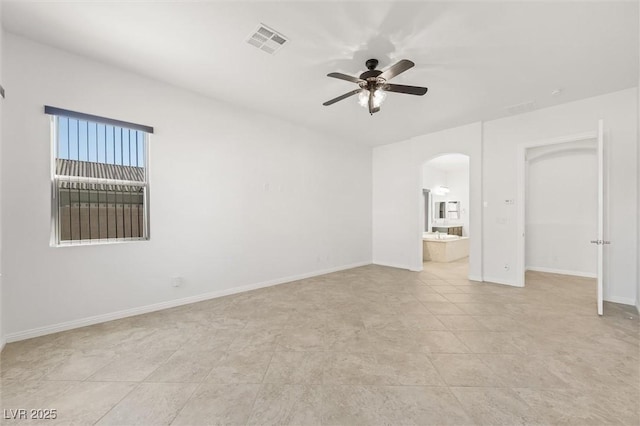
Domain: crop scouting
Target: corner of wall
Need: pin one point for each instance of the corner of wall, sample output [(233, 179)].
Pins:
[(638, 177), (2, 336)]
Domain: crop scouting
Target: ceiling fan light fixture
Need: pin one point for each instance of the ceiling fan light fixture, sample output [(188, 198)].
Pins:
[(363, 98), (378, 97)]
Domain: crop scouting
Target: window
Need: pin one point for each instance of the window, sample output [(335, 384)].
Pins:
[(100, 185)]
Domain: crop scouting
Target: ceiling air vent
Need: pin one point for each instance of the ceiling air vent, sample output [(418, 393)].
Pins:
[(520, 108), (267, 39)]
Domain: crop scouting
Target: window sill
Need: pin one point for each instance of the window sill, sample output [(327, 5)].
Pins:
[(85, 243)]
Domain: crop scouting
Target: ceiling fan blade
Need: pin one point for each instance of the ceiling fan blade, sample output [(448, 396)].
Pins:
[(344, 77), (397, 68), (371, 102), (339, 98), (409, 90)]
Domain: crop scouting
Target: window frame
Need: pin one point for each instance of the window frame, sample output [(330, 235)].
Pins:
[(55, 115)]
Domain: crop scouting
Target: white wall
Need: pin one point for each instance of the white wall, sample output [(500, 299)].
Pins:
[(205, 155), (432, 179), (561, 210), (2, 336), (501, 139), (397, 195), (458, 182), (492, 147)]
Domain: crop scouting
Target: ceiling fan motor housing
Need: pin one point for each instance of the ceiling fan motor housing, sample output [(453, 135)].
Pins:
[(371, 64), (372, 73)]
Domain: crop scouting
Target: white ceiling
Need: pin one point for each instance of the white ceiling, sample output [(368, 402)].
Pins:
[(476, 58)]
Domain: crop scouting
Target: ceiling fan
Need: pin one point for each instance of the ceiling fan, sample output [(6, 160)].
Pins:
[(372, 84)]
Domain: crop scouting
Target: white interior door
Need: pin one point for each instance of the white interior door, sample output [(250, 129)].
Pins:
[(601, 240)]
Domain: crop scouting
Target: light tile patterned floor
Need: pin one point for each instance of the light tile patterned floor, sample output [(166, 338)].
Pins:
[(371, 345)]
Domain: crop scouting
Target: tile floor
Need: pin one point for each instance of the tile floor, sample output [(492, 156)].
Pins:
[(371, 345)]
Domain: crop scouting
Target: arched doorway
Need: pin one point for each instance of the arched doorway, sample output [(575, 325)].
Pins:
[(446, 209)]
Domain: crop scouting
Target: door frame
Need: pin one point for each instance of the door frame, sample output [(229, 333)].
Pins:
[(427, 209), (521, 190), (471, 208)]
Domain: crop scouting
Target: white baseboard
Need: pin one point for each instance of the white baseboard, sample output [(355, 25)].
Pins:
[(621, 300), (562, 271), (614, 299), (500, 281), (475, 278), (83, 322), (393, 265), (2, 343)]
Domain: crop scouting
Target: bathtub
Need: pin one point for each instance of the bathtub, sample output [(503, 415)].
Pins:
[(443, 247), (432, 236)]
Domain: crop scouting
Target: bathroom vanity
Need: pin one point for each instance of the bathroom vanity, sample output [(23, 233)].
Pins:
[(448, 229)]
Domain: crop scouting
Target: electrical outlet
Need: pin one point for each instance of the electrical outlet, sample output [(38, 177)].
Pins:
[(177, 282)]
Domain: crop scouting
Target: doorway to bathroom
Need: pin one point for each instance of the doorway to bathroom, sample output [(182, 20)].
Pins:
[(446, 209)]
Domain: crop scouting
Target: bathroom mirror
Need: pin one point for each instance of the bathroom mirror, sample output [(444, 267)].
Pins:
[(440, 210), (453, 209)]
